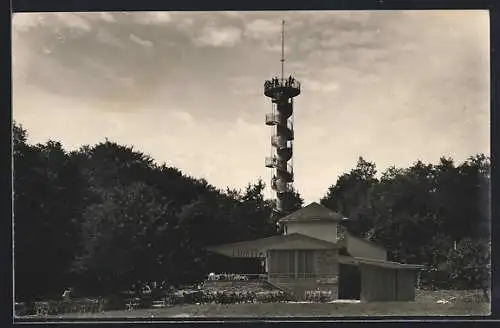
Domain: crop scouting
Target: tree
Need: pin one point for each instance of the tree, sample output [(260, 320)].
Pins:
[(46, 212), (470, 265), (19, 138), (293, 202), (351, 196), (418, 213), (125, 239), (106, 216)]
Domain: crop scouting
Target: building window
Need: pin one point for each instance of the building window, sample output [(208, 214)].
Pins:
[(305, 264), (292, 263)]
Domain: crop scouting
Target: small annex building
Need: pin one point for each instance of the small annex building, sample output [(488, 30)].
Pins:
[(315, 252)]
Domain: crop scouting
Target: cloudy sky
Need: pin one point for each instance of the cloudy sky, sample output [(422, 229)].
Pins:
[(186, 88)]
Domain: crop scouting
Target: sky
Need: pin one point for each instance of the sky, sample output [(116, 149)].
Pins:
[(186, 88)]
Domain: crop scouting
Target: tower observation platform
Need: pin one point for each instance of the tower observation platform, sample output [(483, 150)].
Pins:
[(281, 91)]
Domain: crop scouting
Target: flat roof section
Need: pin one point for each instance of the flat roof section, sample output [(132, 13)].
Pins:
[(383, 264)]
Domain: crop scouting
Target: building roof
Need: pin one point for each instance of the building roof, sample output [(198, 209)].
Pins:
[(345, 239), (379, 263), (313, 212), (258, 247)]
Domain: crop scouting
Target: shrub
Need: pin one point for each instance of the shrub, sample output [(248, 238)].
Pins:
[(225, 297), (319, 296), (60, 307)]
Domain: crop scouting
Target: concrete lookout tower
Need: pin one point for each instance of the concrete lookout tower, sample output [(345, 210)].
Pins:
[(281, 91)]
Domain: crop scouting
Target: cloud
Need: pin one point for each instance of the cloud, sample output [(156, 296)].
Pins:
[(142, 42), (233, 14), (262, 28), (73, 21), (215, 36), (26, 21), (76, 23), (107, 17), (383, 84), (183, 117), (154, 18), (245, 85), (322, 86), (107, 37)]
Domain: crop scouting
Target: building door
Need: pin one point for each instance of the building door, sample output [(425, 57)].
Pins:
[(349, 282)]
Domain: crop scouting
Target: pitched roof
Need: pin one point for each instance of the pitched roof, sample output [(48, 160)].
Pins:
[(313, 212), (275, 242)]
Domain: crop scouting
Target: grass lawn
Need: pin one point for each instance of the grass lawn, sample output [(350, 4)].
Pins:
[(294, 309), (465, 303)]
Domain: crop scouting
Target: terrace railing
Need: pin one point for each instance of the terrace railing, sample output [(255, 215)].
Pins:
[(237, 276), (294, 275)]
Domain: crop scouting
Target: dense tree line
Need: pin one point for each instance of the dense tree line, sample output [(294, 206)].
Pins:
[(105, 217), (435, 215)]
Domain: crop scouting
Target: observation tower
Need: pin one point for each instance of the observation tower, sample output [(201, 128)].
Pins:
[(281, 90)]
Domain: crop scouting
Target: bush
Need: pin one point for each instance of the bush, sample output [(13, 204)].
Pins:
[(225, 297), (434, 279), (318, 296), (467, 267), (22, 309), (60, 307)]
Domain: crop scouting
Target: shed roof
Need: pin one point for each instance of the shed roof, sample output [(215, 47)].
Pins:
[(313, 212), (383, 264)]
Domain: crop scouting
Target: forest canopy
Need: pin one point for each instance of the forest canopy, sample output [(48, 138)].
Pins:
[(105, 217)]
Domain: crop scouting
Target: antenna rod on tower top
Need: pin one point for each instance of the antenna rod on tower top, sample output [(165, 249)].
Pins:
[(282, 50)]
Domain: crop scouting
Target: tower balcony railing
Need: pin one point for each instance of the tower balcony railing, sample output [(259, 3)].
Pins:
[(277, 88), (278, 142), (281, 186), (273, 118), (283, 143), (273, 162)]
